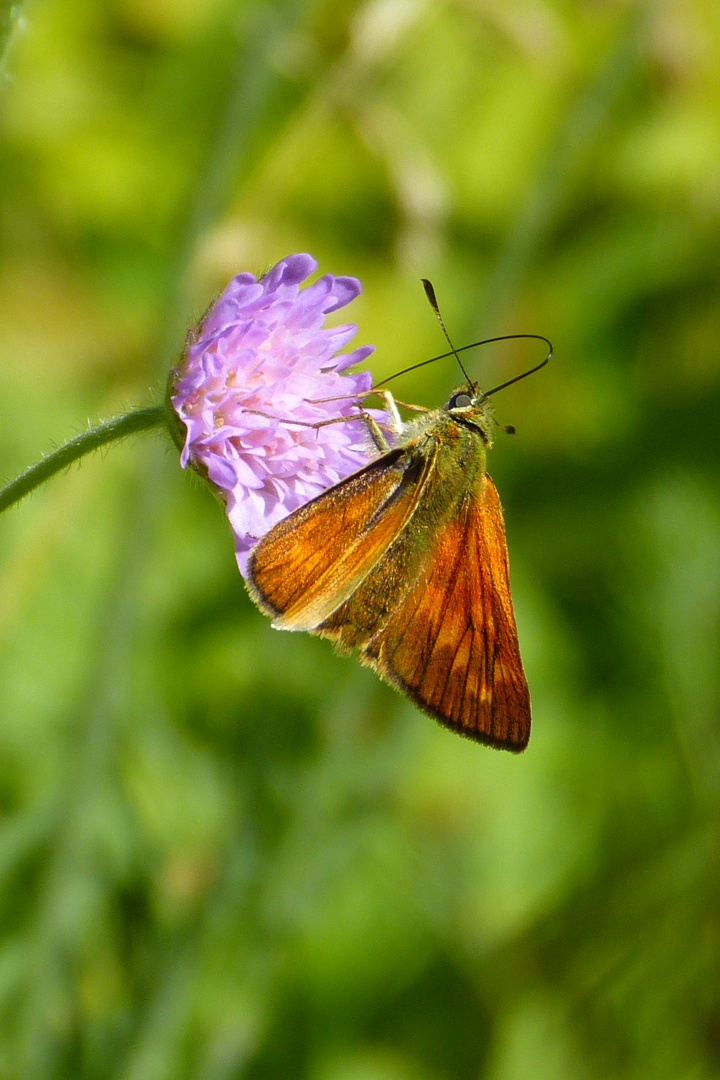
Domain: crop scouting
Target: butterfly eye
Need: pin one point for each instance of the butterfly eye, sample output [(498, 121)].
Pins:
[(459, 401)]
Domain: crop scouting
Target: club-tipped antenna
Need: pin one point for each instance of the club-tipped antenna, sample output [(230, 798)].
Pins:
[(432, 299)]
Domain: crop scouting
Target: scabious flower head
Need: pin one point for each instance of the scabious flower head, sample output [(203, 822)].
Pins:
[(248, 391)]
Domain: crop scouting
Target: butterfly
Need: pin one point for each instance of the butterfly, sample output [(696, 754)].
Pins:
[(405, 561)]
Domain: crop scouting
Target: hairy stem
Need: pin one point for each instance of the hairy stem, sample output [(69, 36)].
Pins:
[(110, 431)]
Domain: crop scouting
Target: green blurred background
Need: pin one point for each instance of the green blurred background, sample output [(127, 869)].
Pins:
[(224, 851)]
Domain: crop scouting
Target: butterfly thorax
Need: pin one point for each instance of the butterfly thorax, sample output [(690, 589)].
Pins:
[(449, 445)]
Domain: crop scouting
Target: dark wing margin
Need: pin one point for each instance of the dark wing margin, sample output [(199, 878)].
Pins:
[(313, 560), (451, 646)]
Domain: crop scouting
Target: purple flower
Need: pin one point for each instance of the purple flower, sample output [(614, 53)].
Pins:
[(259, 361)]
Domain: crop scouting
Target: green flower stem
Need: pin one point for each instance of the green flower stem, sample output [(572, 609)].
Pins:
[(119, 428)]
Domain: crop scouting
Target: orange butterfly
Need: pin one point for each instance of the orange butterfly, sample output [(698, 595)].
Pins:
[(406, 561)]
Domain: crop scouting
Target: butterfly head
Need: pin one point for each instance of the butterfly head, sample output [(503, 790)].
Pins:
[(470, 407)]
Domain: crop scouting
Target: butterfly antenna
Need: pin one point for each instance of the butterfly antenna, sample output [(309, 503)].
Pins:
[(432, 300), (475, 345)]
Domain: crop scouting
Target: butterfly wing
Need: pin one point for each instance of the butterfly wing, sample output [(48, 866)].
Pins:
[(316, 558), (451, 643)]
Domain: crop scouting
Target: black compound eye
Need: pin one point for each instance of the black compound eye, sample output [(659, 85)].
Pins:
[(459, 401)]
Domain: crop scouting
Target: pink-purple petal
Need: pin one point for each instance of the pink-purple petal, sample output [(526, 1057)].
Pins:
[(258, 381)]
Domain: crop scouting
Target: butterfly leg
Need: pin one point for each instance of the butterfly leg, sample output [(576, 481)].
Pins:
[(304, 423), (376, 433), (374, 428)]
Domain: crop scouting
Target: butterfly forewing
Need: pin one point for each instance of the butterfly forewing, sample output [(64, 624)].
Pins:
[(310, 563)]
